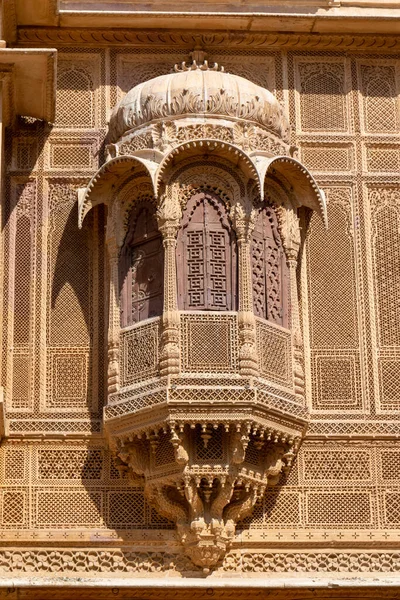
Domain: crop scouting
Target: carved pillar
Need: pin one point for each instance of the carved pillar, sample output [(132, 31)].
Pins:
[(290, 231), (168, 216), (244, 224), (114, 311)]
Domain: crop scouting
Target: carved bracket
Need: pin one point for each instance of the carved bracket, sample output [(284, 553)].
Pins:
[(207, 477)]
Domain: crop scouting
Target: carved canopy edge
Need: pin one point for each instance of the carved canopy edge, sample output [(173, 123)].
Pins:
[(303, 185), (101, 187), (212, 147)]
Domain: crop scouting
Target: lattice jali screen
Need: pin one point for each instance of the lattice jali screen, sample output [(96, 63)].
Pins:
[(13, 508), (277, 510), (214, 449), (71, 367), (274, 348), (209, 342), (78, 85), (21, 293), (380, 103), (336, 379), (68, 377), (136, 402), (14, 465), (391, 513), (332, 303), (327, 158), (139, 351), (385, 231), (21, 380), (382, 158), (75, 486), (66, 154), (342, 508), (164, 452), (69, 487), (331, 466), (126, 509), (322, 86), (73, 464), (67, 508), (388, 465), (342, 486), (25, 153)]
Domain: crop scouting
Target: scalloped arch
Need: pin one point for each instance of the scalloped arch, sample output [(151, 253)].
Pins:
[(232, 153), (101, 187), (303, 185)]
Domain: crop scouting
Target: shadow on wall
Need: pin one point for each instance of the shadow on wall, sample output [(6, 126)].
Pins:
[(76, 324)]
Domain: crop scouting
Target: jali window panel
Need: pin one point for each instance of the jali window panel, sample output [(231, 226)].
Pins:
[(206, 256)]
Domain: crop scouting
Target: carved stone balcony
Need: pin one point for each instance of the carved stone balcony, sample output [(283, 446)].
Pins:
[(205, 405), (207, 441)]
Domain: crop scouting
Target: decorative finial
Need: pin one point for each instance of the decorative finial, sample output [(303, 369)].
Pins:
[(199, 62), (198, 55)]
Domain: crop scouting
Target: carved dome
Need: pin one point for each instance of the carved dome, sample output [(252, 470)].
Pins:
[(199, 93)]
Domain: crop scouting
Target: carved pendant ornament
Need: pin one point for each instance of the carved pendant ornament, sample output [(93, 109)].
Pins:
[(207, 477), (205, 375)]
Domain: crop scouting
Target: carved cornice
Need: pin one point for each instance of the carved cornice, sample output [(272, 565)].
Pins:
[(97, 562), (9, 21), (152, 38), (8, 93), (50, 101)]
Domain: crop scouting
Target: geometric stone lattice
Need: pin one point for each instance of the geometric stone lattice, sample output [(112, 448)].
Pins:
[(328, 508), (274, 348), (210, 342), (140, 352), (336, 465), (69, 464)]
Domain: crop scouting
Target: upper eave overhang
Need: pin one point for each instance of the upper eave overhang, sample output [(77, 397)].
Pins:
[(301, 16), (33, 81)]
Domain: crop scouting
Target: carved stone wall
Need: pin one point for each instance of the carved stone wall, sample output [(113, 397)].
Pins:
[(344, 114), (338, 493)]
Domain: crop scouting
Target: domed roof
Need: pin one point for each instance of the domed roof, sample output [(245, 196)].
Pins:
[(198, 91)]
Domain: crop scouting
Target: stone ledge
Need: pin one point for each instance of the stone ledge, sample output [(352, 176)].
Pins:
[(33, 79)]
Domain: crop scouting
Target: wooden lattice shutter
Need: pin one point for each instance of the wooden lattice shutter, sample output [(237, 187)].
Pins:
[(141, 268), (270, 277), (206, 256)]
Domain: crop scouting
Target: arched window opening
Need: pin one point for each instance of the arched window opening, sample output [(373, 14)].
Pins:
[(206, 256), (270, 272), (141, 268)]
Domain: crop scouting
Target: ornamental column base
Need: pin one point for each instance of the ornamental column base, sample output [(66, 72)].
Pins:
[(248, 359), (170, 353)]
